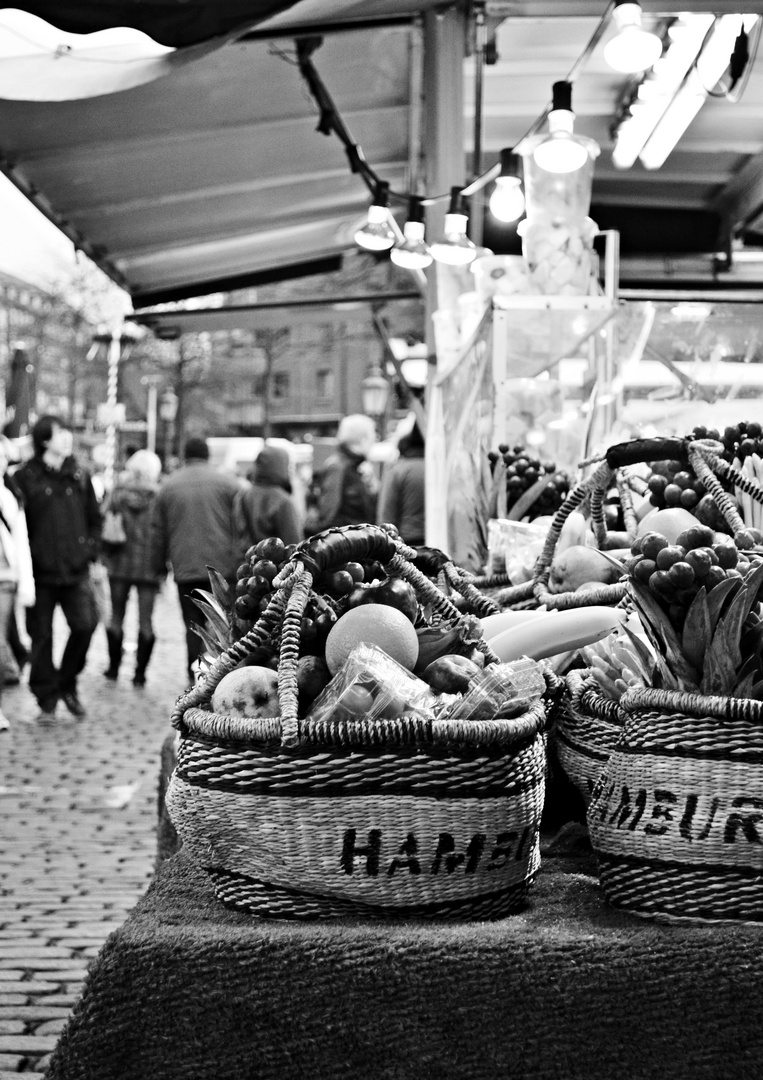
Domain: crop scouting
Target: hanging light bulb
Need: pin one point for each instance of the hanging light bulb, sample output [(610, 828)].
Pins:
[(455, 249), (561, 152), (632, 48), (507, 203), (411, 252), (377, 234)]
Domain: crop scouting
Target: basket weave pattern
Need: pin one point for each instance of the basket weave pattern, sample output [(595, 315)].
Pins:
[(676, 818), (587, 729), (405, 817)]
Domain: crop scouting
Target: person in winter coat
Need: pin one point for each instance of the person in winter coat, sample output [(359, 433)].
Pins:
[(129, 564), (344, 495), (402, 497), (16, 577), (267, 508), (64, 524), (193, 527)]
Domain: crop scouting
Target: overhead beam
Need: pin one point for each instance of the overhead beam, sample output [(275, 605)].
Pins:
[(741, 201)]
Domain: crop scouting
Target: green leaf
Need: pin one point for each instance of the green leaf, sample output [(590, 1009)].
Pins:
[(743, 687), (697, 631), (221, 590), (663, 637), (717, 597), (213, 647), (757, 691), (719, 673), (644, 657), (216, 618)]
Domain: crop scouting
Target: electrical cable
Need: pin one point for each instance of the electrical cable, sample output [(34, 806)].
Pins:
[(330, 119)]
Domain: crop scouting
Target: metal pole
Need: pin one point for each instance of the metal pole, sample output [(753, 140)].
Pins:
[(115, 349), (151, 415)]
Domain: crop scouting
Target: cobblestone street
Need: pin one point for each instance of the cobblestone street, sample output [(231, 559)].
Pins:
[(78, 806)]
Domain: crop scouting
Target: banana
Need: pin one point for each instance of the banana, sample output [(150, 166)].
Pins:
[(493, 625), (562, 632)]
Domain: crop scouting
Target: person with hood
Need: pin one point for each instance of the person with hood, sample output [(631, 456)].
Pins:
[(267, 507), (344, 495), (129, 563), (64, 525), (402, 497)]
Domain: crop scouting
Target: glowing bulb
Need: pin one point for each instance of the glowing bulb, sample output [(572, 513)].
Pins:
[(412, 253), (560, 153), (377, 233), (507, 203), (456, 249), (632, 49)]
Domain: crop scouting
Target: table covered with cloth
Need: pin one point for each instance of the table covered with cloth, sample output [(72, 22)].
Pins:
[(568, 988)]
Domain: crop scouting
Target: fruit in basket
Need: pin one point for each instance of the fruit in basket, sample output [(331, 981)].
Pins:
[(578, 565), (450, 674), (673, 484), (668, 523), (247, 691), (312, 676), (559, 632), (376, 624), (522, 470)]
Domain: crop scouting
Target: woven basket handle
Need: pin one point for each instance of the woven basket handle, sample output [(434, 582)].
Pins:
[(636, 450), (695, 705), (586, 696)]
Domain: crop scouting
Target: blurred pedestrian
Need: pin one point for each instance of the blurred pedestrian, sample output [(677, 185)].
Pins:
[(402, 497), (193, 527), (344, 492), (16, 576), (129, 562), (64, 525), (266, 507)]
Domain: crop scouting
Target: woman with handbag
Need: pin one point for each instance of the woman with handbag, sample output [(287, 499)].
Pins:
[(126, 542), (16, 577)]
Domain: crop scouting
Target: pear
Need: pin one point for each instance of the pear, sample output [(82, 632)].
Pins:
[(578, 565)]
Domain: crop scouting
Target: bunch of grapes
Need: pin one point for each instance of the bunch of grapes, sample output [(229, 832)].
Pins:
[(739, 440), (523, 471), (674, 483), (254, 591), (674, 573)]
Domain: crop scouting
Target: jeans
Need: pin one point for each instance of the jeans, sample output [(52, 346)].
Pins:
[(120, 591), (9, 669), (76, 602), (191, 614)]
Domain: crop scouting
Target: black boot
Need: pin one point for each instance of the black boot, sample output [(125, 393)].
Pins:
[(114, 639), (143, 655)]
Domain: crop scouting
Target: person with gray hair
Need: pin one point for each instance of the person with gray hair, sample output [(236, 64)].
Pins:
[(129, 563), (343, 493)]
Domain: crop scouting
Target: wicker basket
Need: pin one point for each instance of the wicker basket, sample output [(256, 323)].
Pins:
[(676, 818), (587, 729), (402, 818)]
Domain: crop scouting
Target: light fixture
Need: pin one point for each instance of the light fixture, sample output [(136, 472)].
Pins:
[(632, 48), (703, 76), (670, 95), (455, 249), (411, 252), (507, 203), (374, 392), (377, 234), (561, 152)]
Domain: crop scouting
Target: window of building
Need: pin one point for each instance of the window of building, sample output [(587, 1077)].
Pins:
[(280, 385), (324, 378)]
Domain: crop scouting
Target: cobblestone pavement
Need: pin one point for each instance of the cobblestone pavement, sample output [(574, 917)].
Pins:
[(77, 830)]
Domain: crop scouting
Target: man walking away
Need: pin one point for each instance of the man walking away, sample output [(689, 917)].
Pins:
[(64, 525), (193, 527)]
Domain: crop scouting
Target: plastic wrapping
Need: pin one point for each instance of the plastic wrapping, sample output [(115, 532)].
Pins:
[(372, 686), (500, 690)]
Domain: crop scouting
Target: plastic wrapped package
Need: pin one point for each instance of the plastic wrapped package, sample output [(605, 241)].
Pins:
[(501, 690), (372, 686)]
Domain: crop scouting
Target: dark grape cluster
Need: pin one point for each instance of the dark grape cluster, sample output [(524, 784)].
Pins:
[(740, 440), (673, 483), (329, 597), (523, 471), (674, 573)]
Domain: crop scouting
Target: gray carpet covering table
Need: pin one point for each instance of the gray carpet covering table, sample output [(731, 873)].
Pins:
[(568, 988)]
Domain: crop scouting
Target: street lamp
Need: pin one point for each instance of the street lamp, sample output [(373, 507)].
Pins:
[(374, 394), (168, 410)]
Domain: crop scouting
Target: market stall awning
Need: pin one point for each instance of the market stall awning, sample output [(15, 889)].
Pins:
[(215, 176)]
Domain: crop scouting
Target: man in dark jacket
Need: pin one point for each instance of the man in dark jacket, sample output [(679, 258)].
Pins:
[(64, 525), (193, 527)]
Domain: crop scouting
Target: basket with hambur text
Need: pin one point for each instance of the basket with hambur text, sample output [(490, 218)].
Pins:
[(411, 816), (676, 817), (588, 727)]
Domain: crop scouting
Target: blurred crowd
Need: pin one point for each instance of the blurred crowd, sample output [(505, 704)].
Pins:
[(72, 540)]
